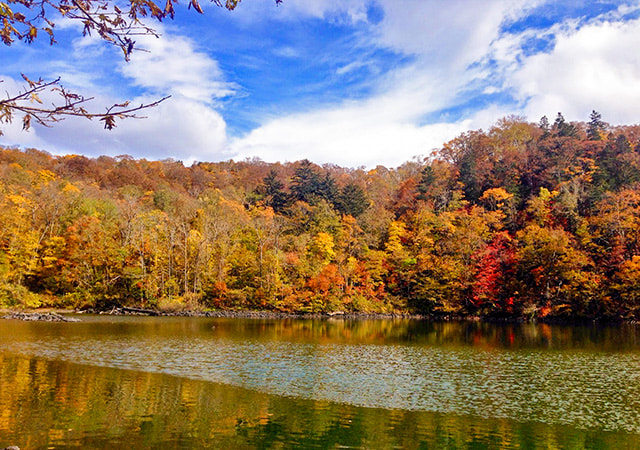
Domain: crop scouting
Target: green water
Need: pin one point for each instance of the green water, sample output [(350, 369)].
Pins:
[(131, 382)]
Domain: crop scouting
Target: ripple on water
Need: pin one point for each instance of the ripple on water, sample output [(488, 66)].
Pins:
[(582, 389)]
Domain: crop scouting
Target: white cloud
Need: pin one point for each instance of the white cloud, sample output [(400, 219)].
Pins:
[(346, 10), (186, 126), (594, 67), (448, 44), (350, 136), (287, 52), (444, 31), (364, 134), (179, 128), (172, 64), (12, 133), (445, 38)]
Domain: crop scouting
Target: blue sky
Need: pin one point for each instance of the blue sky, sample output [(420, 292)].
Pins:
[(355, 82)]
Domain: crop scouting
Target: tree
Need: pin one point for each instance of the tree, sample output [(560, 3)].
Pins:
[(306, 183), (352, 200), (551, 267), (626, 288), (562, 128), (618, 164), (116, 24), (472, 154), (272, 189), (114, 230), (492, 289), (439, 186), (544, 124), (328, 190), (596, 126)]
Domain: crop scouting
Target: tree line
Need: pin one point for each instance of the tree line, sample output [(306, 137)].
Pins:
[(532, 220)]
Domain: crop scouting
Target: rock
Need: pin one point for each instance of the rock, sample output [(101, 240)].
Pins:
[(44, 317), (12, 447)]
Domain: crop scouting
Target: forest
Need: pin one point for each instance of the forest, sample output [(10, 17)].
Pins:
[(524, 220)]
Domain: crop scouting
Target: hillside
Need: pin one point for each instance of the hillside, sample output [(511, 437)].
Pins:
[(522, 220)]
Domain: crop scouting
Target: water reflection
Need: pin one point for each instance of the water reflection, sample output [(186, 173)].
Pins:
[(384, 332), (580, 377), (61, 405)]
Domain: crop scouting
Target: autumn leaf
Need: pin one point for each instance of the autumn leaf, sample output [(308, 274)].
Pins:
[(109, 122), (196, 6)]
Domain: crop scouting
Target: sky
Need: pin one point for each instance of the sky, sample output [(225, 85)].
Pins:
[(358, 83)]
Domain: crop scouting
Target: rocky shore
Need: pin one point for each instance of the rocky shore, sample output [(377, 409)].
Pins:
[(245, 314), (43, 317), (52, 316)]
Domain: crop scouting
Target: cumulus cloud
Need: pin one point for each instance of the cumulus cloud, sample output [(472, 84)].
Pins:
[(366, 135), (173, 64), (446, 54), (186, 126), (596, 66), (457, 46), (358, 135), (12, 132), (182, 129), (444, 39)]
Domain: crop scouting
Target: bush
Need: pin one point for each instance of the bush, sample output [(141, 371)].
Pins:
[(77, 300), (187, 302), (12, 296)]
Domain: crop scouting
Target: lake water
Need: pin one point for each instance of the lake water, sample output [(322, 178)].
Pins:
[(141, 382)]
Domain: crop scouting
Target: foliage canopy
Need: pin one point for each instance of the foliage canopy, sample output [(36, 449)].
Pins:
[(522, 220)]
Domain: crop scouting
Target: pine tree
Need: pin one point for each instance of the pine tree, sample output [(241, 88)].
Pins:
[(352, 200), (273, 190), (544, 125), (328, 190), (305, 185), (596, 126), (562, 128)]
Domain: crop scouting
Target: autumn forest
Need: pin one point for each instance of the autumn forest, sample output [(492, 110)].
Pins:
[(524, 220)]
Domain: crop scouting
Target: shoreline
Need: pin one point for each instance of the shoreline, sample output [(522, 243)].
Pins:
[(63, 315)]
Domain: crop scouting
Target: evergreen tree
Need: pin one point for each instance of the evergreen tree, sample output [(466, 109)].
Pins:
[(614, 169), (352, 200), (305, 184), (595, 127), (328, 190), (273, 190), (544, 125), (427, 177), (564, 129)]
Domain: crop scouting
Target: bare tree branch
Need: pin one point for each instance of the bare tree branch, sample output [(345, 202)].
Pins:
[(23, 19), (27, 102)]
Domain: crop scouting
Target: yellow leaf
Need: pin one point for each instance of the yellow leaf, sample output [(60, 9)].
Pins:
[(35, 98)]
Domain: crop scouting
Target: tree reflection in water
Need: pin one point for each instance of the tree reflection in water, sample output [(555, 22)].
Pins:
[(56, 404)]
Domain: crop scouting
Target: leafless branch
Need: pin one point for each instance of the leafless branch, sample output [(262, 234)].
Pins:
[(27, 102), (24, 19)]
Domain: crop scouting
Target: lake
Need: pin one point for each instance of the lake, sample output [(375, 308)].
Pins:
[(168, 382)]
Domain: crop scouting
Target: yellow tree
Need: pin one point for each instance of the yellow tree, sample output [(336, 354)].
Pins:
[(626, 289), (555, 273), (266, 229), (219, 221), (18, 238)]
